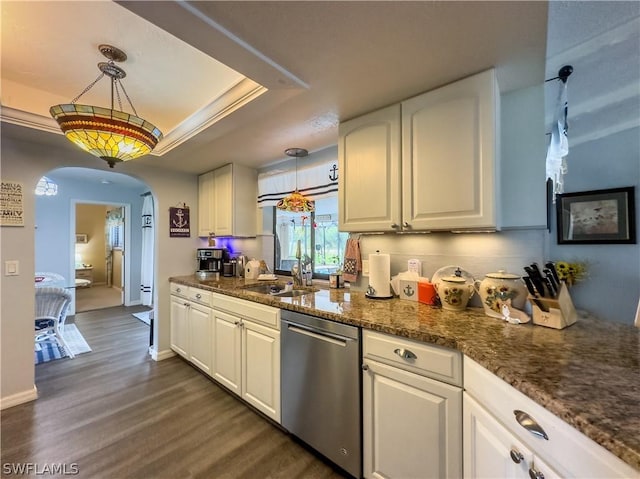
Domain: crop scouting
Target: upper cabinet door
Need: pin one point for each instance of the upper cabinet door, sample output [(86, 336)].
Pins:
[(205, 204), (449, 163), (369, 172), (223, 201)]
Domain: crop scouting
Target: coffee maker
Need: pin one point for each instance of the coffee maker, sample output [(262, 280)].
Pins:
[(210, 260)]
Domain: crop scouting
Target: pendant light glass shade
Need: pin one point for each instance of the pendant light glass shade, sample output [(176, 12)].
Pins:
[(110, 134), (296, 202)]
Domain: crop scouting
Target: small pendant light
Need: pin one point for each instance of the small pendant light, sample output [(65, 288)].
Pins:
[(296, 202)]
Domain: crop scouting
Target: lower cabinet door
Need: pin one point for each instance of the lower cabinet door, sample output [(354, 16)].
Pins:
[(180, 326), (226, 350), (261, 368), (490, 450), (412, 425), (201, 334)]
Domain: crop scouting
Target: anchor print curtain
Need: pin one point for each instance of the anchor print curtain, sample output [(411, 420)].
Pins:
[(146, 276)]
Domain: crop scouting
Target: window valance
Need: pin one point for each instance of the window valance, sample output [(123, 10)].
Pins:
[(314, 181)]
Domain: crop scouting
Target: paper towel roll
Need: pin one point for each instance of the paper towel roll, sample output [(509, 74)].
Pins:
[(380, 274)]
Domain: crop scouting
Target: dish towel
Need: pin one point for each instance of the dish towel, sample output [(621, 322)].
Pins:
[(352, 262)]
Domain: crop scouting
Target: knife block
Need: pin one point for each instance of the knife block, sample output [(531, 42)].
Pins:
[(561, 310)]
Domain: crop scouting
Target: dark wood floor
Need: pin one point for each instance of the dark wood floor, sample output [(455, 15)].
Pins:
[(115, 413)]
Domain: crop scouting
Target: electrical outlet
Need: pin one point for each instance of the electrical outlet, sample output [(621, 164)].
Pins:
[(365, 267), (12, 268)]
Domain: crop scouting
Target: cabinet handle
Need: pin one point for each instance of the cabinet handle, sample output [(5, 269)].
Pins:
[(365, 367), (395, 225), (530, 424), (237, 323), (405, 353), (516, 456), (406, 225), (198, 296), (178, 290), (535, 474)]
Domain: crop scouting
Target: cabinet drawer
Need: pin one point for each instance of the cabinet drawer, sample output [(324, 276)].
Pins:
[(566, 449), (200, 296), (427, 360), (258, 313), (179, 290)]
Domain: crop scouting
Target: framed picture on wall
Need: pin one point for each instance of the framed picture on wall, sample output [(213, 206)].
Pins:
[(597, 217)]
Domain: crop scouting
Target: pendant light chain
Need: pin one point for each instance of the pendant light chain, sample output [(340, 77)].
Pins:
[(89, 87)]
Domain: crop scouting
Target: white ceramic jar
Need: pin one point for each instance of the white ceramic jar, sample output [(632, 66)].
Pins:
[(454, 292), (498, 288)]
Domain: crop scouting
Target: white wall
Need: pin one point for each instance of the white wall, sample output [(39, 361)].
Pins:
[(25, 162)]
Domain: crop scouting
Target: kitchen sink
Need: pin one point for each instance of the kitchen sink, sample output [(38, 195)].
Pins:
[(278, 289)]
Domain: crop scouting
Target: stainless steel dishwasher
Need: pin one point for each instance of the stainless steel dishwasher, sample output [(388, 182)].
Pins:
[(321, 387)]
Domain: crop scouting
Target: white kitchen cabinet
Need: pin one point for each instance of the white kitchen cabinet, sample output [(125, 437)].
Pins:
[(201, 337), (492, 428), (491, 451), (192, 325), (449, 150), (369, 166), (246, 352), (180, 326), (430, 163), (412, 424), (261, 368), (226, 350), (205, 204), (227, 200)]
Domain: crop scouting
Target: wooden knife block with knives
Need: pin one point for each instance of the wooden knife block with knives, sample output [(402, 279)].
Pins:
[(551, 303), (561, 312)]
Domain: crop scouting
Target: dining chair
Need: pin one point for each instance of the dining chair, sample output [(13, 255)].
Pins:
[(52, 305)]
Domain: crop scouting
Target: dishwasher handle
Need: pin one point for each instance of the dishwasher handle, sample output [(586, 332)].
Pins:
[(318, 334)]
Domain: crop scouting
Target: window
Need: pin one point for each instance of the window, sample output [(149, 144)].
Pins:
[(321, 244)]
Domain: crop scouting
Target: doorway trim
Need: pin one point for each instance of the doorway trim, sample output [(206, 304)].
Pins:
[(127, 243)]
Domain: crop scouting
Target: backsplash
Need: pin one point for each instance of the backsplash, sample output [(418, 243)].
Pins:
[(477, 253)]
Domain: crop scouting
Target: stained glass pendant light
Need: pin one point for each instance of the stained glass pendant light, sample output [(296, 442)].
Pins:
[(296, 202), (112, 135)]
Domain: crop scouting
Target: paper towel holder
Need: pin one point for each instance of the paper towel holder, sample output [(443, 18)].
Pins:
[(371, 292)]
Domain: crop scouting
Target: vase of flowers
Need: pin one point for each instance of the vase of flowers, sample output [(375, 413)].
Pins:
[(572, 272)]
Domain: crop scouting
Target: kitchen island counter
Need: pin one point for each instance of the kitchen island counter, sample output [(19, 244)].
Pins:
[(587, 374)]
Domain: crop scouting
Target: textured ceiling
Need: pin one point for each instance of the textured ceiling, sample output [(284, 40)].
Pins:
[(321, 63)]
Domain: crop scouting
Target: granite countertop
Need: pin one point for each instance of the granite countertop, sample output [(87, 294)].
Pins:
[(587, 374)]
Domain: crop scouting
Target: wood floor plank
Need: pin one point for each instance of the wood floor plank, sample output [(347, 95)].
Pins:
[(118, 414)]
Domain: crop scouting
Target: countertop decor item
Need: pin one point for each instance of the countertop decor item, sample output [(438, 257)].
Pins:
[(454, 291), (379, 276), (498, 288), (112, 135), (296, 202)]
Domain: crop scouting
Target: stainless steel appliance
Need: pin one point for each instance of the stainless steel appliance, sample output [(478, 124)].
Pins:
[(210, 260), (321, 387)]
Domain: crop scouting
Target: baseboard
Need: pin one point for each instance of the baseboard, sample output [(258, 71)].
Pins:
[(161, 355), (19, 398)]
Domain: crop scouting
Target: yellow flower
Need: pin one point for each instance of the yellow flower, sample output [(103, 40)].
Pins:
[(571, 272)]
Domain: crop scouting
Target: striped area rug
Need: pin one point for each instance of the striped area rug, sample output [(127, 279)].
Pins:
[(49, 351)]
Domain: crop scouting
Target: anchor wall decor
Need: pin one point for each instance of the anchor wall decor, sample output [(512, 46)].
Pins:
[(179, 222)]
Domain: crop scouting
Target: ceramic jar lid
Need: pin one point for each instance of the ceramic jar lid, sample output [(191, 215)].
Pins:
[(502, 274)]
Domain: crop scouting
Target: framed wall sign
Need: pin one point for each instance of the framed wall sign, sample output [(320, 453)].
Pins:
[(597, 217), (11, 208), (179, 222)]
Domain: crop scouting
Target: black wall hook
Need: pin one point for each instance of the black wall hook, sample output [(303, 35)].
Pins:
[(563, 74)]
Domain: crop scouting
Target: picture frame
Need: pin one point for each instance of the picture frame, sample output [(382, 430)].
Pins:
[(82, 238), (597, 217)]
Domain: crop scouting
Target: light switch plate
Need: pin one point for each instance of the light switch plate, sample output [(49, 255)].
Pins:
[(12, 268), (365, 267)]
